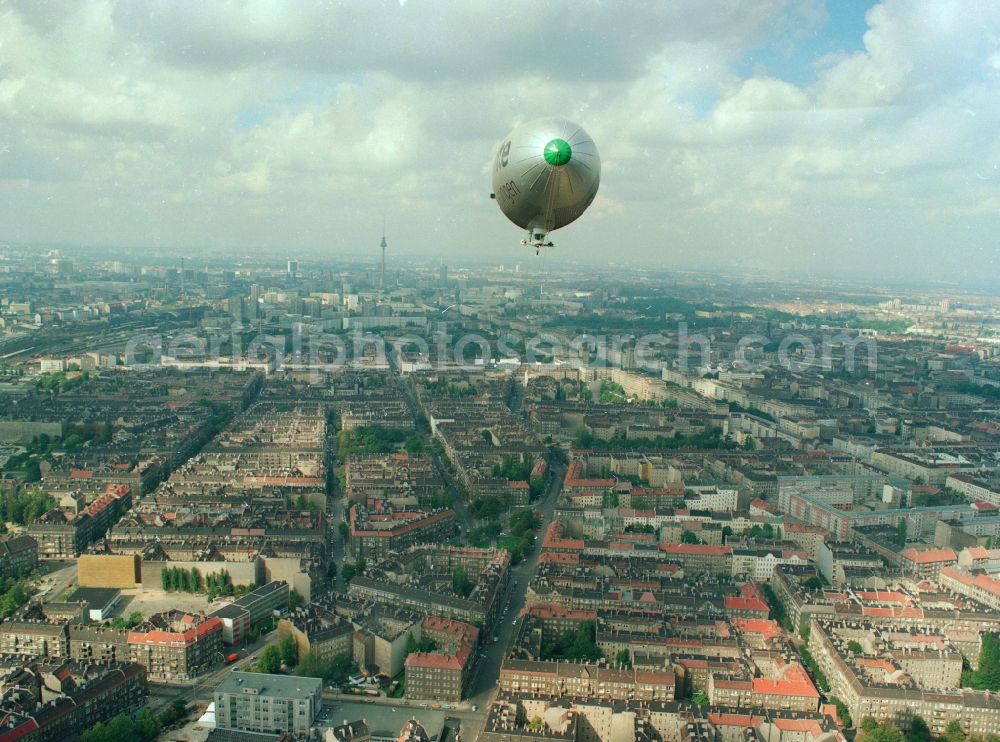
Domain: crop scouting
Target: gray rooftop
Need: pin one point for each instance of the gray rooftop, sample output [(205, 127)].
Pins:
[(384, 720), (96, 597), (283, 686), (230, 610)]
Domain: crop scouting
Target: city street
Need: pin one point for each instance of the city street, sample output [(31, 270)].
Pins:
[(485, 682), (162, 695)]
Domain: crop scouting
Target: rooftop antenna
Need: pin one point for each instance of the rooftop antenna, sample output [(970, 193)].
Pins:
[(383, 245)]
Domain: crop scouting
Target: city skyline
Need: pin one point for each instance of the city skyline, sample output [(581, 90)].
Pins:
[(782, 137)]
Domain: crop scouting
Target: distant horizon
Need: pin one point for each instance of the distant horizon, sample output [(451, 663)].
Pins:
[(530, 265)]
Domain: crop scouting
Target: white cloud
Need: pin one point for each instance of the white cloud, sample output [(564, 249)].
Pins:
[(297, 126)]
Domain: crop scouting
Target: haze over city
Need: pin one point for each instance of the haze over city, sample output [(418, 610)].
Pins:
[(840, 138)]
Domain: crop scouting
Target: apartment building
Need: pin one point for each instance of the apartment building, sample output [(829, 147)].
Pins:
[(259, 702)]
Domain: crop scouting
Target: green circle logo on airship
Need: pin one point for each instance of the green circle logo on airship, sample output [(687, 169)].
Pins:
[(558, 152)]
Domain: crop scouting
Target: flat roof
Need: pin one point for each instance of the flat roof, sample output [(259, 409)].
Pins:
[(96, 597), (384, 720), (282, 686), (230, 610), (261, 592)]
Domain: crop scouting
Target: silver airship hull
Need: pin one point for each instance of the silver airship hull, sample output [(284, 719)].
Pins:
[(545, 175)]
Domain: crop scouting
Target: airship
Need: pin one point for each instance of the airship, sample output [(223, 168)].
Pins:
[(545, 174)]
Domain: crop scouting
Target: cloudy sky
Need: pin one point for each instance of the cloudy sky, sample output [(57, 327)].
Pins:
[(801, 135)]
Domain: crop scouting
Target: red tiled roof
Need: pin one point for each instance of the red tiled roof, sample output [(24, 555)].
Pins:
[(553, 538), (794, 682), (765, 627), (21, 731), (735, 720), (733, 603), (696, 549), (555, 557), (931, 556), (573, 478), (552, 610), (177, 638), (983, 582)]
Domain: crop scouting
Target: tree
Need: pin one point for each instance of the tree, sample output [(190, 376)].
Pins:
[(953, 732), (700, 698), (624, 658), (310, 666), (165, 582), (765, 531), (843, 713), (335, 671), (875, 732), (575, 644), (289, 650), (460, 582), (918, 731), (97, 733), (147, 726), (689, 537), (345, 530), (122, 728), (178, 708), (855, 647), (295, 600), (270, 660), (900, 539), (987, 677)]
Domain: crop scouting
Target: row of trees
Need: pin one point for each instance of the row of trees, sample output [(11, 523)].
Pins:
[(219, 583), (143, 728), (178, 579), (181, 580)]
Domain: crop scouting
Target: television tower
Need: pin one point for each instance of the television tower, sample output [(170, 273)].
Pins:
[(383, 245)]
